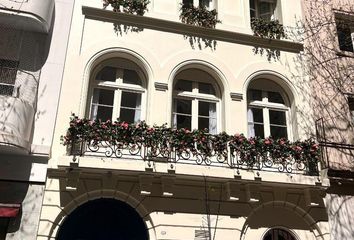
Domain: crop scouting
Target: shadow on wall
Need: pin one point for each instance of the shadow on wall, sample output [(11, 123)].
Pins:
[(330, 72)]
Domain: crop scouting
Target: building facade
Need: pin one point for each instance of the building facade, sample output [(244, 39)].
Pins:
[(33, 43), (330, 27), (107, 181)]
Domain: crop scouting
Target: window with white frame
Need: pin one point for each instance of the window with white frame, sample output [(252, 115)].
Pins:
[(264, 9), (8, 73), (117, 91), (345, 33), (268, 112), (278, 234), (195, 105), (208, 4)]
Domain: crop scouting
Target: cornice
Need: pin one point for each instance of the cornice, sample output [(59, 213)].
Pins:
[(185, 29)]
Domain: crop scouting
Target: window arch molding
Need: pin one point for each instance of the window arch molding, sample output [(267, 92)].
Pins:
[(115, 52), (279, 84), (218, 80)]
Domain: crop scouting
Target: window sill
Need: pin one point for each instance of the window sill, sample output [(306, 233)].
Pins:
[(185, 29), (340, 53)]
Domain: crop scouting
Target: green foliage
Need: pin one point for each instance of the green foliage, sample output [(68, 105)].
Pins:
[(199, 16), (267, 29), (198, 142), (138, 7)]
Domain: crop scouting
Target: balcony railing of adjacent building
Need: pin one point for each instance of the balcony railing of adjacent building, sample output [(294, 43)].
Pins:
[(17, 83), (29, 15), (119, 140), (337, 157)]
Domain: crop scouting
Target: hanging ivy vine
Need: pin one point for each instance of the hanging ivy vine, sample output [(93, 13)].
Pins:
[(136, 7), (267, 29), (201, 17)]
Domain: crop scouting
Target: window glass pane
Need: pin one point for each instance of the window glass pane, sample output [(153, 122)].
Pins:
[(188, 2), (264, 7), (351, 103), (8, 71), (277, 117), (131, 77), (252, 4), (184, 85), (207, 109), (6, 90), (129, 115), (253, 13), (275, 97), (183, 106), (206, 88), (182, 121), (107, 74), (344, 36), (203, 123), (254, 95), (204, 3), (278, 132), (255, 129), (103, 96), (255, 115), (101, 112), (131, 100)]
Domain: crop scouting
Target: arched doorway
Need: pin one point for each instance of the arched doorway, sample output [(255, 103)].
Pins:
[(107, 219)]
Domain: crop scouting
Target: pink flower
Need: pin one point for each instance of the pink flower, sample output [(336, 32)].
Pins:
[(124, 125), (281, 142), (186, 131), (252, 142), (267, 142)]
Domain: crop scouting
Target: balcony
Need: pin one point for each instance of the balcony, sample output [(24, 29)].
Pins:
[(28, 15), (18, 90), (118, 141)]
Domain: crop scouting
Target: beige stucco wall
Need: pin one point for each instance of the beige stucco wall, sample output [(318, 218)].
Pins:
[(162, 55)]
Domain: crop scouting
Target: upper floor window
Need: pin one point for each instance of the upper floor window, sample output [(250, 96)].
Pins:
[(351, 106), (117, 91), (345, 31), (208, 4), (8, 73), (278, 234), (195, 104), (264, 9), (268, 111)]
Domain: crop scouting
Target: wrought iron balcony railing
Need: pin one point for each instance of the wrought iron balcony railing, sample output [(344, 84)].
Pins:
[(161, 144)]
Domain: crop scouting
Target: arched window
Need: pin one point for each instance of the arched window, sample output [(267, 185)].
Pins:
[(268, 110), (196, 101), (117, 91), (278, 234)]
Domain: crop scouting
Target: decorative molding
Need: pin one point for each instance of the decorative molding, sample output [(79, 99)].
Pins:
[(186, 29), (236, 96), (161, 86)]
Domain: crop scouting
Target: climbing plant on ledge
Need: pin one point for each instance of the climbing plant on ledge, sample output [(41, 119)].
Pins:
[(267, 29), (162, 141), (137, 7), (201, 17)]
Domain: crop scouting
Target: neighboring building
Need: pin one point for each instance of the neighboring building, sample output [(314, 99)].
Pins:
[(156, 69), (330, 28), (33, 40)]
